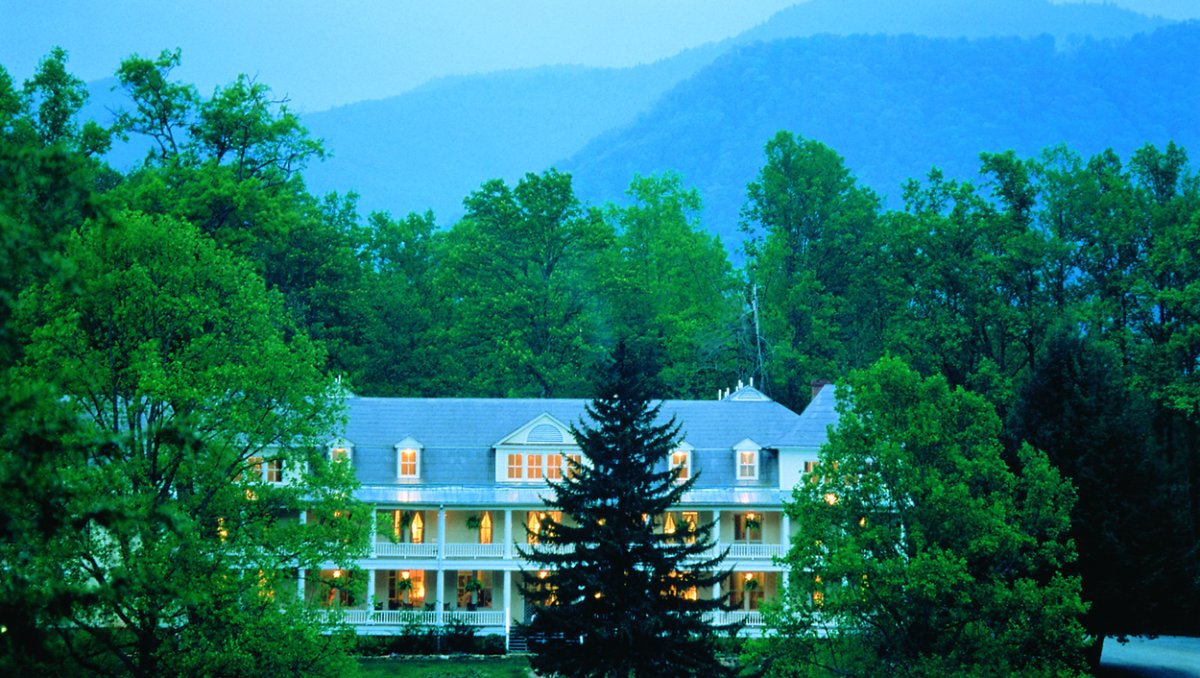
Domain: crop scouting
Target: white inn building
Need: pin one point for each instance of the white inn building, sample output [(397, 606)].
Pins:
[(454, 483)]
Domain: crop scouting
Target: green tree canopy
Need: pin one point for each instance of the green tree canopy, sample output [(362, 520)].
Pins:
[(186, 368), (673, 285), (809, 258), (922, 553), (519, 271)]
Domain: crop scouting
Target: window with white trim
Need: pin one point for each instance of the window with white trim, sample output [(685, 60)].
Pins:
[(539, 466), (682, 459), (408, 462), (747, 464), (341, 454), (273, 471), (533, 467)]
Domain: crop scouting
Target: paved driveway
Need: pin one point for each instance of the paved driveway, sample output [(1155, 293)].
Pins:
[(1162, 657)]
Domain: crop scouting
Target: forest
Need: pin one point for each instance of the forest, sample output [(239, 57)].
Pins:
[(1064, 289)]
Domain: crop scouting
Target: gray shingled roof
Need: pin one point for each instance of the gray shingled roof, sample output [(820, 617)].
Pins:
[(482, 422), (459, 435), (816, 419)]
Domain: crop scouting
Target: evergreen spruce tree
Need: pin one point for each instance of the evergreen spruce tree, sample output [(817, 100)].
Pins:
[(616, 595)]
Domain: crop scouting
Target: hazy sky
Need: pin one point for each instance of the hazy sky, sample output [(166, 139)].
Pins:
[(323, 53)]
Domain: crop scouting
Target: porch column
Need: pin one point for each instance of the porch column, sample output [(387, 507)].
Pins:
[(717, 530), (439, 614), (508, 533), (785, 526), (370, 592), (374, 527), (507, 603), (300, 585)]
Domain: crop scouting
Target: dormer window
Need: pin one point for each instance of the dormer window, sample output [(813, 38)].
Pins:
[(747, 465), (273, 471), (342, 453), (408, 459), (681, 459), (745, 459)]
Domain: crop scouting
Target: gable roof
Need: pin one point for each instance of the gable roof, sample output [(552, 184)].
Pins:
[(481, 423), (812, 425)]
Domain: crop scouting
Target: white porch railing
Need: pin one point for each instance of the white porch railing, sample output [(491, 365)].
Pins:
[(388, 549), (474, 550), (420, 617), (385, 549), (477, 618), (748, 618), (755, 551), (403, 617)]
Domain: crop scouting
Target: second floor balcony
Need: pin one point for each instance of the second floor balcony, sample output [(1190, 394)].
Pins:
[(498, 535)]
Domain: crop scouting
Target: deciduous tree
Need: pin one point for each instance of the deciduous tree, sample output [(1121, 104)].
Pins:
[(173, 355), (922, 553)]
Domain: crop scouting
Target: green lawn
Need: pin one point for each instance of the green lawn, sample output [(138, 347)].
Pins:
[(454, 667)]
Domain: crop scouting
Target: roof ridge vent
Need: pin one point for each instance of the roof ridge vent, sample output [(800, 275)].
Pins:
[(745, 394)]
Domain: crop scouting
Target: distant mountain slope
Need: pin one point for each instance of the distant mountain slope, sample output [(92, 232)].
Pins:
[(896, 106), (427, 149), (954, 19), (430, 148)]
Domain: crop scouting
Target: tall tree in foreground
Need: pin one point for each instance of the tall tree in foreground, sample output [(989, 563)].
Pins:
[(1076, 406), (924, 554), (630, 594), (201, 406)]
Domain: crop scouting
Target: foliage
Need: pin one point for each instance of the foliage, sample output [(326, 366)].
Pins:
[(518, 268), (457, 667), (171, 351), (614, 595), (809, 259), (672, 286), (922, 552)]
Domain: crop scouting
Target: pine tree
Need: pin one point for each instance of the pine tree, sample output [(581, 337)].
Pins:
[(615, 596)]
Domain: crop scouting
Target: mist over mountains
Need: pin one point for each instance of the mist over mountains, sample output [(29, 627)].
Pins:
[(896, 106), (896, 88)]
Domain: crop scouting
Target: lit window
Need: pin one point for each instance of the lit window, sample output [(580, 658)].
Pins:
[(406, 588), (747, 527), (408, 463), (574, 463), (417, 529), (274, 471), (515, 467), (485, 528), (554, 466), (474, 589), (339, 454), (747, 464), (535, 522), (534, 468), (682, 460), (534, 525), (255, 464), (691, 519)]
